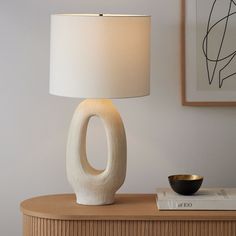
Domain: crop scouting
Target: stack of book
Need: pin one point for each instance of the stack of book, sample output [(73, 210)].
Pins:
[(204, 199)]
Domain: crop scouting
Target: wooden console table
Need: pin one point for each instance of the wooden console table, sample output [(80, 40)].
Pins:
[(131, 215)]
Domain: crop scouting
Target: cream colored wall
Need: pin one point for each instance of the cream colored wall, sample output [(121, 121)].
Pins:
[(163, 137)]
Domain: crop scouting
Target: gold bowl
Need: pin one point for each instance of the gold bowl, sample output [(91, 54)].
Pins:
[(185, 184)]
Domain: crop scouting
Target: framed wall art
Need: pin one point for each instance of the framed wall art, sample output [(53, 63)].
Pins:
[(208, 40)]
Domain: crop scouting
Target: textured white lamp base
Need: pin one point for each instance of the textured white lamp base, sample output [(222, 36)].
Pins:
[(92, 186)]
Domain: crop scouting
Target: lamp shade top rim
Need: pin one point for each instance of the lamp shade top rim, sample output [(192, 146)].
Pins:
[(98, 14)]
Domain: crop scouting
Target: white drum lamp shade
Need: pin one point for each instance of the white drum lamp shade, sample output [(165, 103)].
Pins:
[(98, 57)]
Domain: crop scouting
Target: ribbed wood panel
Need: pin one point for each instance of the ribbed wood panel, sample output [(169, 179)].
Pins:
[(34, 226)]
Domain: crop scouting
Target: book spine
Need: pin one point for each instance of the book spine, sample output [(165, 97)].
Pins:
[(196, 205)]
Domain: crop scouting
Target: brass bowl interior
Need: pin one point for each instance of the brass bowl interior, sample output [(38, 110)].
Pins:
[(185, 177)]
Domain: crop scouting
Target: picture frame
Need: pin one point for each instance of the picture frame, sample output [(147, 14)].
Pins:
[(208, 53)]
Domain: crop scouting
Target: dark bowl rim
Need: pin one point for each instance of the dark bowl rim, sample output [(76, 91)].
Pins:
[(196, 177)]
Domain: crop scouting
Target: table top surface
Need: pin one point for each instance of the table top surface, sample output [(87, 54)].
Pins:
[(126, 207)]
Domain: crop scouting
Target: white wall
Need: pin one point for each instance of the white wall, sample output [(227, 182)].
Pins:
[(163, 137)]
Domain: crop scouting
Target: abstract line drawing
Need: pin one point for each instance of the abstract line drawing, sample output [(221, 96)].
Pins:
[(220, 65)]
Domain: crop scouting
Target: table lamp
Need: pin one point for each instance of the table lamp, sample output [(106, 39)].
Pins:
[(98, 57)]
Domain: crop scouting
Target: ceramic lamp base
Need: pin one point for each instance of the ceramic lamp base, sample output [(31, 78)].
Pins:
[(92, 186)]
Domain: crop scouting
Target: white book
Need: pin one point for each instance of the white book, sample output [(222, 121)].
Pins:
[(204, 199)]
